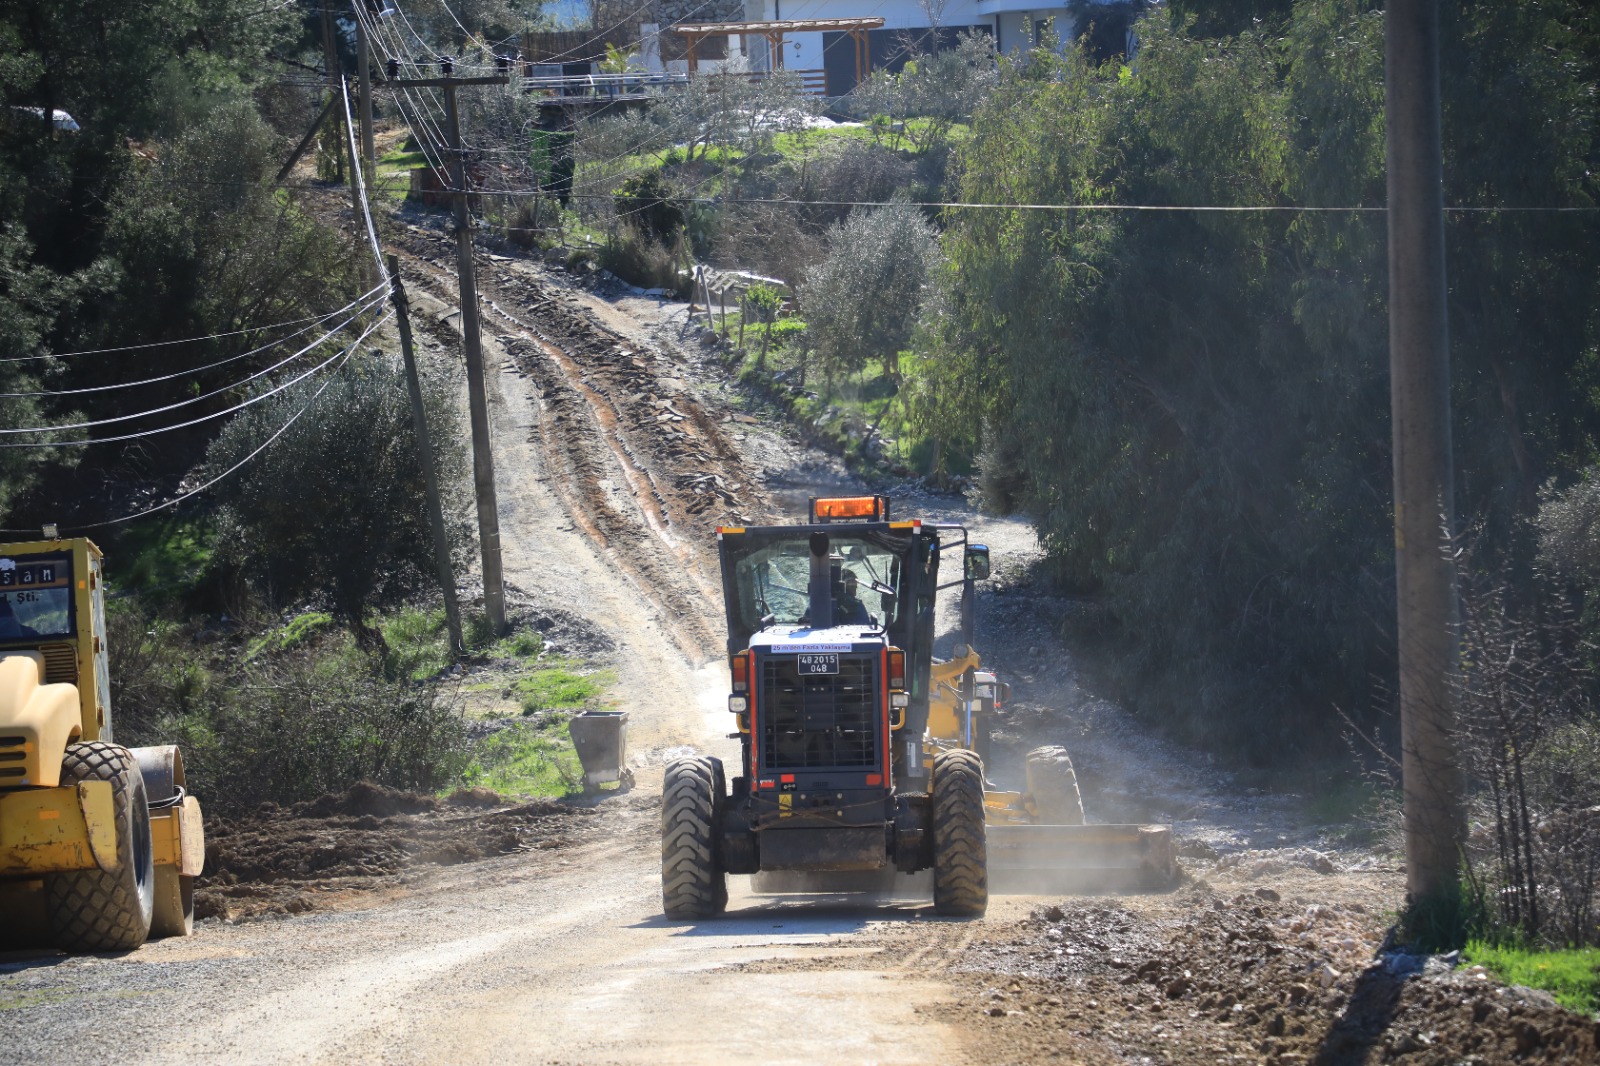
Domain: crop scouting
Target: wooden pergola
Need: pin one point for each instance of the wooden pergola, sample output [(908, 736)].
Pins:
[(774, 33)]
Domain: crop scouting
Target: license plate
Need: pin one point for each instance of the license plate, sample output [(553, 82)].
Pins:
[(813, 663)]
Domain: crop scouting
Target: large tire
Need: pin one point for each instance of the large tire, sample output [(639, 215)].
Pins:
[(1054, 785), (693, 884), (91, 910), (960, 852)]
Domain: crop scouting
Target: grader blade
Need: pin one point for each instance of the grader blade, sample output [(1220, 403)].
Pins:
[(1050, 859)]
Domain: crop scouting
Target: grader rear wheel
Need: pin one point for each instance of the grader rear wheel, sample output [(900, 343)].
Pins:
[(960, 852), (91, 910), (1054, 785), (693, 884)]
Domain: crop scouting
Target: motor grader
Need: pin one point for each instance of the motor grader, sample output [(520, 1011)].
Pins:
[(860, 753), (99, 844)]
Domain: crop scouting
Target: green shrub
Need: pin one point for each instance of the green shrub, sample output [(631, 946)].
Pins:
[(336, 505), (647, 203), (318, 720), (636, 259)]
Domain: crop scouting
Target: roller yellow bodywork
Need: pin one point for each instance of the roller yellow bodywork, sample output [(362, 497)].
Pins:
[(37, 721), (52, 830), (178, 838), (54, 692)]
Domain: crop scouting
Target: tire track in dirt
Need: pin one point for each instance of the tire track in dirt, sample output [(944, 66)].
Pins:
[(644, 469)]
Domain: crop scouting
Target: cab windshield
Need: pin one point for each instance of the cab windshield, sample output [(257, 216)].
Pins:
[(771, 583), (35, 597)]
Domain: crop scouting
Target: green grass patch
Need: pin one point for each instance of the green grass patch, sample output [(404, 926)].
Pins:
[(295, 632), (393, 178), (522, 644), (419, 643), (21, 999), (527, 759), (1572, 976), (559, 685)]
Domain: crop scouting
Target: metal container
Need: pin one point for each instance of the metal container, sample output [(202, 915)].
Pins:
[(601, 738)]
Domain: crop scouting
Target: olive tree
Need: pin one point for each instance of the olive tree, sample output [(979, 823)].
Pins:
[(861, 302), (336, 505)]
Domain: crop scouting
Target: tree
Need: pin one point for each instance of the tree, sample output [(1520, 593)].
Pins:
[(1204, 396), (336, 506), (862, 301)]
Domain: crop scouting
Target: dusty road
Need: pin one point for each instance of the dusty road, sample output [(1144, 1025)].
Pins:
[(619, 445)]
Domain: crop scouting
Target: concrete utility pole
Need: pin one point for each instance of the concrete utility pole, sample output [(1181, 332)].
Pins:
[(419, 421), (1424, 500)]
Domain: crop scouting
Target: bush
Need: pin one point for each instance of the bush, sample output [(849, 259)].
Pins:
[(648, 204), (637, 259), (319, 720), (307, 712), (337, 505)]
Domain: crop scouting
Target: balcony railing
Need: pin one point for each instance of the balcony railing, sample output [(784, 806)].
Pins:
[(636, 85)]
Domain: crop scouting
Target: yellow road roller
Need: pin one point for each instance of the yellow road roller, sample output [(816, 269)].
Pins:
[(99, 844)]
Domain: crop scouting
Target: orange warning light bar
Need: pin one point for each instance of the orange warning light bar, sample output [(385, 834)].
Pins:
[(831, 508)]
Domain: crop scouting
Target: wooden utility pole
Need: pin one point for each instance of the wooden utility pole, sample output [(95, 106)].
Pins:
[(494, 593), (330, 60), (364, 63), (419, 420), (1424, 500)]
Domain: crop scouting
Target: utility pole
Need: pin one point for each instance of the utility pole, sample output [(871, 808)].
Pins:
[(1424, 498), (330, 58), (419, 420), (364, 62), (494, 594)]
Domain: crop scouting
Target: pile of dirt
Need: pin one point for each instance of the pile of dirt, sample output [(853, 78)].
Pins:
[(1205, 979), (367, 841)]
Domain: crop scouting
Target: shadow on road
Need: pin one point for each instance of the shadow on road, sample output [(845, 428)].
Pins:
[(799, 915)]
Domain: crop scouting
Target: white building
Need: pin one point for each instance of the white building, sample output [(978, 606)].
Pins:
[(1014, 24)]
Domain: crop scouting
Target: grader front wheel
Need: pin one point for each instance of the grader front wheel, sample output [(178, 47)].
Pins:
[(693, 884), (960, 852), (91, 910)]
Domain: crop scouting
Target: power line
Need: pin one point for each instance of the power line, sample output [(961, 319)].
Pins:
[(373, 302), (180, 425), (212, 336), (348, 352)]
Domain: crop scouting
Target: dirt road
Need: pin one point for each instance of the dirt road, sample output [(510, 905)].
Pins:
[(619, 446)]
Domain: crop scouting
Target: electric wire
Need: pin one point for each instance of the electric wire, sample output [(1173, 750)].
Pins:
[(203, 418), (377, 299), (181, 403), (210, 336), (280, 431)]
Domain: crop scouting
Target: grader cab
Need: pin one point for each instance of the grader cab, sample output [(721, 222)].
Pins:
[(99, 844), (860, 752)]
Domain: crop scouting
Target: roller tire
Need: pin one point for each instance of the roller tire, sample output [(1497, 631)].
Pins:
[(693, 884), (960, 850), (1054, 785), (91, 910)]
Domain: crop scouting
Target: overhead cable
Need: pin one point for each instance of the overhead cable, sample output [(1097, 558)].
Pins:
[(208, 337), (369, 305), (171, 406)]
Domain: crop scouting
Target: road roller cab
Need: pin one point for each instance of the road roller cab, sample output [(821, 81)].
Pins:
[(99, 844)]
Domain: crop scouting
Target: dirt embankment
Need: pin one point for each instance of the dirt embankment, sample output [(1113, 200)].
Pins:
[(366, 845), (1203, 978)]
